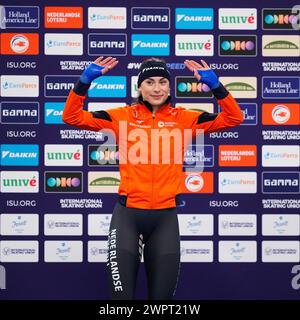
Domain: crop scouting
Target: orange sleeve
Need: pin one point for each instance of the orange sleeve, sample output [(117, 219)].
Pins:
[(230, 116), (74, 115)]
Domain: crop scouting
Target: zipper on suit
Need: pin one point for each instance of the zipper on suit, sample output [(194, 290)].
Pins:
[(152, 166)]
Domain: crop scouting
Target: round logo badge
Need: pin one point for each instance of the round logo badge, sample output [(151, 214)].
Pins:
[(194, 182), (19, 43), (281, 114)]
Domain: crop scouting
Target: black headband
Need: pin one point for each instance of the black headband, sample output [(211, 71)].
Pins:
[(153, 69)]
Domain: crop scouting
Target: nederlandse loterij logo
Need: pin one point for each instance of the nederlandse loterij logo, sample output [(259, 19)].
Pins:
[(63, 17)]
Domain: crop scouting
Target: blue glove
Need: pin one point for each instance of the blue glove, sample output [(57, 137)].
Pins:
[(209, 77), (92, 72)]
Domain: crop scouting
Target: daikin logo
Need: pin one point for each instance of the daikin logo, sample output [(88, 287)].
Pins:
[(143, 44), (150, 44), (19, 155), (113, 86), (194, 18)]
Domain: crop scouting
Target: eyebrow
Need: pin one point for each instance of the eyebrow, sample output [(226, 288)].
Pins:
[(162, 78)]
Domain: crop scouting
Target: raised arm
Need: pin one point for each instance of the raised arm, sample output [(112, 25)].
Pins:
[(230, 115), (74, 114)]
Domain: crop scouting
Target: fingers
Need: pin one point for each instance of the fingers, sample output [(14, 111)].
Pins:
[(106, 61), (188, 65), (110, 66), (205, 64), (191, 64), (98, 60), (195, 65)]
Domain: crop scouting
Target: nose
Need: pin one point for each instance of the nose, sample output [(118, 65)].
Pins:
[(157, 87)]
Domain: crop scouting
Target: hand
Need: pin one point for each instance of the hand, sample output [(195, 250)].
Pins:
[(203, 73), (98, 68)]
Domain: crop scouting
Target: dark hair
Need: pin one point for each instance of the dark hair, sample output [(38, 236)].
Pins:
[(139, 99)]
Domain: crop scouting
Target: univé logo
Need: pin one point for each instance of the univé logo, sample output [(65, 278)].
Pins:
[(237, 19), (63, 181), (20, 181)]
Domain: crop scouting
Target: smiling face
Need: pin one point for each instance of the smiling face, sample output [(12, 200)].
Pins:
[(155, 90)]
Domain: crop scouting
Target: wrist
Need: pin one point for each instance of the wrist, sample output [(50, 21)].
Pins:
[(92, 72)]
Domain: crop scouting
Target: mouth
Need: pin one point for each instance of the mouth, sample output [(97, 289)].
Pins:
[(157, 97)]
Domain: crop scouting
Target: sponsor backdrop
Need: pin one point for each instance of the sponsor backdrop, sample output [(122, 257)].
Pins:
[(239, 222)]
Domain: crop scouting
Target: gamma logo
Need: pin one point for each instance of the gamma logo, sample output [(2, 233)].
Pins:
[(150, 18), (280, 182)]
